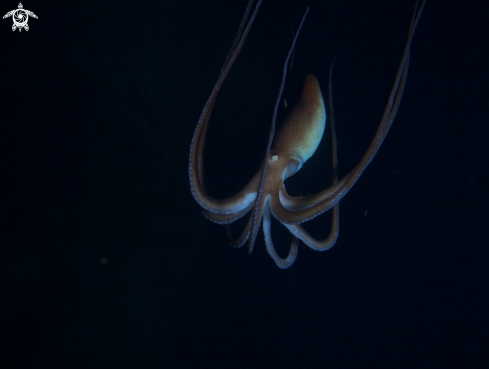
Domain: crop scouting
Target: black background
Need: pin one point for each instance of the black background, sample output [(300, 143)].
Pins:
[(99, 100)]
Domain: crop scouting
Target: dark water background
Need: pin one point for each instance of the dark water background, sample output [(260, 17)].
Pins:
[(105, 258)]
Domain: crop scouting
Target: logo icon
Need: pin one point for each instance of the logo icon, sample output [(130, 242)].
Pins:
[(20, 17)]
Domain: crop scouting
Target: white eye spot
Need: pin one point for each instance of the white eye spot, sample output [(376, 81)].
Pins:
[(274, 157)]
